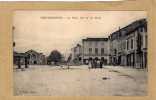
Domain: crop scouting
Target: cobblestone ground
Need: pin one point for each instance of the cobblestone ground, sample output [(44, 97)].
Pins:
[(80, 81)]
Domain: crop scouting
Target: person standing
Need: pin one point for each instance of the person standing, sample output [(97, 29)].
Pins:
[(68, 60), (19, 63), (90, 64), (98, 63), (26, 62), (94, 63), (101, 63)]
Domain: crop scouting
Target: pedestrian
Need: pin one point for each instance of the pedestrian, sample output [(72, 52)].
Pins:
[(19, 63), (90, 64), (87, 62), (68, 60), (94, 63), (98, 63), (101, 64), (26, 62)]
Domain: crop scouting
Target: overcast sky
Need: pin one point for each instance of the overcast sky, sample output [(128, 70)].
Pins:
[(45, 31)]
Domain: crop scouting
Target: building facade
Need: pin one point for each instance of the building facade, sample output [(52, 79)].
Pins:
[(128, 46), (19, 58), (95, 48), (35, 57), (125, 47), (77, 54)]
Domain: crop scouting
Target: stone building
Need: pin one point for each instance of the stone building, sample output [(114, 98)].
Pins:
[(19, 58), (43, 59), (35, 57), (77, 53), (95, 48), (128, 45), (125, 47)]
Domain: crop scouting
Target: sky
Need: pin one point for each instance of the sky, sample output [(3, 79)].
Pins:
[(49, 30)]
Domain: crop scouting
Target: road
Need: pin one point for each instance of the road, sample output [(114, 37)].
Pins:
[(44, 80)]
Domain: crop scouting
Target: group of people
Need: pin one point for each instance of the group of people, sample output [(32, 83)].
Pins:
[(95, 63)]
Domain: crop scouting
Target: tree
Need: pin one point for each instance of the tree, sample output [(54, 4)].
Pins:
[(55, 56)]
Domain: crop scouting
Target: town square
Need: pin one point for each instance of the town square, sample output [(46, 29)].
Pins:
[(89, 54), (80, 81)]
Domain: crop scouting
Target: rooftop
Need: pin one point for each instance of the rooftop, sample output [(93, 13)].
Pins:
[(129, 28), (19, 54), (95, 39)]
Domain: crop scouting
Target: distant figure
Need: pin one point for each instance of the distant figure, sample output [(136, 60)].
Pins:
[(87, 62), (94, 64), (98, 63), (19, 63), (101, 63), (69, 59), (90, 64), (26, 62)]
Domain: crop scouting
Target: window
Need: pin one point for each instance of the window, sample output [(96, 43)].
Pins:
[(90, 50), (96, 50), (141, 29), (29, 56), (127, 44), (115, 51), (102, 51), (141, 40), (131, 43), (124, 45), (146, 41)]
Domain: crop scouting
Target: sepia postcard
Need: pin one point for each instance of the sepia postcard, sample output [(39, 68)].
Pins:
[(77, 50), (80, 53)]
